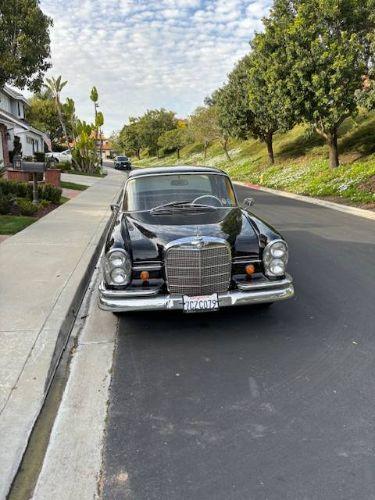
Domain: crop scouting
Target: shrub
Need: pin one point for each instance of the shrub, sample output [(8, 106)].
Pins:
[(51, 193), (39, 156), (6, 203), (25, 190), (19, 189), (44, 203), (26, 207), (64, 166)]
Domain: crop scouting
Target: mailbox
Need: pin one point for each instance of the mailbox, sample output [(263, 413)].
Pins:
[(33, 167)]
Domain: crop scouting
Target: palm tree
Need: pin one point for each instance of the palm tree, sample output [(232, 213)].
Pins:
[(55, 86)]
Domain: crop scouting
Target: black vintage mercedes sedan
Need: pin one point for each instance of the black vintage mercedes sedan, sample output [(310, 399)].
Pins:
[(180, 240)]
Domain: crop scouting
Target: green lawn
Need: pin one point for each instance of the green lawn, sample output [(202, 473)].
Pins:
[(301, 162), (12, 224), (74, 186)]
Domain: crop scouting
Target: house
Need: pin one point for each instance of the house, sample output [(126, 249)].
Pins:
[(13, 124), (103, 145), (107, 149)]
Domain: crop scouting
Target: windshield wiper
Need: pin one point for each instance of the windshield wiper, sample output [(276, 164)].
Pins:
[(167, 207)]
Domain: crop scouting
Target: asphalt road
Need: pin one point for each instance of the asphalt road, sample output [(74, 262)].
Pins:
[(256, 404)]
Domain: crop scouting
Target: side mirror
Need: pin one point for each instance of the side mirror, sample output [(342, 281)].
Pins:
[(115, 207), (247, 203)]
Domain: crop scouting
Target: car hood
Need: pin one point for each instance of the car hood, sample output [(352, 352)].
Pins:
[(148, 234)]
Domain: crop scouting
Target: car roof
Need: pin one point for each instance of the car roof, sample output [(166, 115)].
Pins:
[(175, 169)]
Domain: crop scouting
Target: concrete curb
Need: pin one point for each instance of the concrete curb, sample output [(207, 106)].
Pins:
[(27, 397), (359, 212)]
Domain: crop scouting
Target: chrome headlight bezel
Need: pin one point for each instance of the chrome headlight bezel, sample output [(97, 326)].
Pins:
[(275, 258), (116, 264)]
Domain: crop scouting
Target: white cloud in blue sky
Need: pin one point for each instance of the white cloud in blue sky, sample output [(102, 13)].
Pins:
[(144, 54)]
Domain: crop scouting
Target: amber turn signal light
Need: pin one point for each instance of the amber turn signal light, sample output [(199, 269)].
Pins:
[(250, 269), (145, 275)]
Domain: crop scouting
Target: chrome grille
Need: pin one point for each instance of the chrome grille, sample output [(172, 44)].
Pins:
[(194, 270)]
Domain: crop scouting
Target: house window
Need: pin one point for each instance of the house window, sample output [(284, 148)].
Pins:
[(34, 143)]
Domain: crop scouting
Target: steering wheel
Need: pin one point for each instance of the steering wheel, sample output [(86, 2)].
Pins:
[(217, 202)]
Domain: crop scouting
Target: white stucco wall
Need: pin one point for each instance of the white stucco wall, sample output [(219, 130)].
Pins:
[(5, 102), (26, 141)]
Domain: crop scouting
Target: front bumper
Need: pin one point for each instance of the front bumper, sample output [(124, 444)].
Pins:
[(262, 291)]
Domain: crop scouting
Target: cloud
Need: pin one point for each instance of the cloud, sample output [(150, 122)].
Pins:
[(144, 54)]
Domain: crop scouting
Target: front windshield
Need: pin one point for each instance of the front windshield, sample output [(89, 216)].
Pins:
[(151, 191), (122, 158)]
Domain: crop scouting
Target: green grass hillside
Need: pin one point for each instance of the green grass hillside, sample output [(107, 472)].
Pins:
[(301, 162)]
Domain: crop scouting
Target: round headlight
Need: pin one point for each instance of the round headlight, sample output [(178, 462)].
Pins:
[(275, 258), (278, 250), (117, 268), (277, 267), (119, 276), (116, 259)]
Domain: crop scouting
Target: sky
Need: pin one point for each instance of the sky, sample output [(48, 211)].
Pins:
[(143, 54)]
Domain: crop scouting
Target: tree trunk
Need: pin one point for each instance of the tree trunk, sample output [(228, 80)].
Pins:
[(205, 147), (138, 153), (333, 149), (269, 142), (225, 147), (178, 153), (101, 148)]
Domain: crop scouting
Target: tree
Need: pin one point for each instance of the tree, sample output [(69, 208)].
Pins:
[(204, 126), (94, 96), (41, 113), (99, 122), (268, 73), (327, 55), (152, 125), (84, 152), (24, 43), (232, 101), (55, 86), (69, 114), (130, 140), (366, 96), (173, 140)]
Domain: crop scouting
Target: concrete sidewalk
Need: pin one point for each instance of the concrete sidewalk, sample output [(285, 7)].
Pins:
[(87, 180), (44, 271)]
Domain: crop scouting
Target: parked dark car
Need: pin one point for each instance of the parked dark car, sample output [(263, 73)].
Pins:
[(180, 240), (122, 163)]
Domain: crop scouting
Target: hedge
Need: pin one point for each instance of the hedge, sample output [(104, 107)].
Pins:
[(25, 190)]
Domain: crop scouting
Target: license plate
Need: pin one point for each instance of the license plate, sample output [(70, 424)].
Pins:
[(201, 303)]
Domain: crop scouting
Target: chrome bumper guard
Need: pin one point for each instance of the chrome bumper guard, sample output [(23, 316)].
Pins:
[(258, 292)]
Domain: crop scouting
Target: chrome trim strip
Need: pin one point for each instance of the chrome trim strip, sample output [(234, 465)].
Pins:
[(196, 240), (118, 301), (245, 260), (109, 294), (265, 283), (147, 267)]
